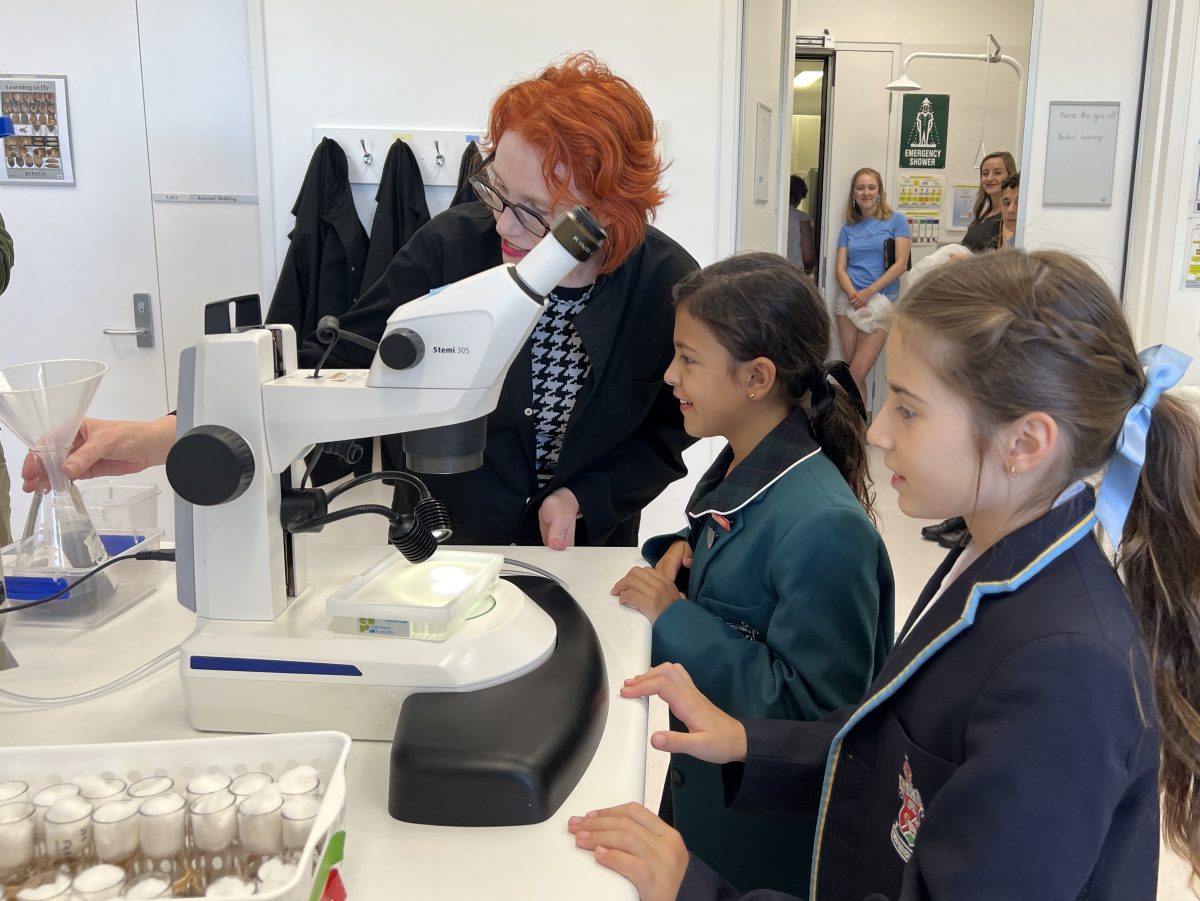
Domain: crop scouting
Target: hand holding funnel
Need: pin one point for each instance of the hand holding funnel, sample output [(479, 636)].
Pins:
[(43, 405)]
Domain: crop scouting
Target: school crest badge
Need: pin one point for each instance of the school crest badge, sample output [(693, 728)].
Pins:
[(912, 811)]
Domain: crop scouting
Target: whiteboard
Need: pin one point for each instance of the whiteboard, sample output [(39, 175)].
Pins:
[(1081, 148)]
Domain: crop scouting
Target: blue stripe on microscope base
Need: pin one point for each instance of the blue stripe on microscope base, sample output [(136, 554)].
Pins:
[(291, 667)]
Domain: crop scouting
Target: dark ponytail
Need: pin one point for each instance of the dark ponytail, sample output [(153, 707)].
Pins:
[(760, 305), (839, 419), (1159, 561)]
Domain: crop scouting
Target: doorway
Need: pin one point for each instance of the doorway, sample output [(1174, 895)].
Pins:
[(812, 76), (858, 125)]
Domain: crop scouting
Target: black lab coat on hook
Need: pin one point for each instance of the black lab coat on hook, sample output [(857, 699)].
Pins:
[(323, 269), (400, 212)]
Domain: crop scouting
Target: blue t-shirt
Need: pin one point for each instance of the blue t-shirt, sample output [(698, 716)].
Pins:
[(864, 249)]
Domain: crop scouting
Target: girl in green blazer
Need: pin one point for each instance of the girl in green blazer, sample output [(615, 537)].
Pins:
[(777, 596)]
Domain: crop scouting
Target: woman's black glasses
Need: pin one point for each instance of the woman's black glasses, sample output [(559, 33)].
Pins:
[(484, 190)]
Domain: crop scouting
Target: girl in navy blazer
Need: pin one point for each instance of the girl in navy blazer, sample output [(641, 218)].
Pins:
[(777, 596), (1039, 702)]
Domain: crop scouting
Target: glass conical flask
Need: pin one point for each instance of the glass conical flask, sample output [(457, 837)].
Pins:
[(43, 404)]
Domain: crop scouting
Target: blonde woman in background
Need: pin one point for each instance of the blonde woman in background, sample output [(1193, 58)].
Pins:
[(861, 273)]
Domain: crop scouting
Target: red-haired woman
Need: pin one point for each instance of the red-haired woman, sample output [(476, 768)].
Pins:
[(585, 433)]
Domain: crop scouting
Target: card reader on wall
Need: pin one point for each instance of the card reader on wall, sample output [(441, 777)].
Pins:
[(508, 755)]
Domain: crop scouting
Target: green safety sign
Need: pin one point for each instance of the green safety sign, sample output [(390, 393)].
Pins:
[(923, 131)]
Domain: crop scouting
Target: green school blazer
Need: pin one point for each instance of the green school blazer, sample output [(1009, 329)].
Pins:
[(789, 615)]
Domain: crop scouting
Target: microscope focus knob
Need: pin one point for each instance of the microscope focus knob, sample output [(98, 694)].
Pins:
[(210, 465), (401, 349)]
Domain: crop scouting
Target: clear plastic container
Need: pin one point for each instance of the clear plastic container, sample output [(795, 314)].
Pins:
[(426, 600), (7, 661), (117, 505), (105, 595)]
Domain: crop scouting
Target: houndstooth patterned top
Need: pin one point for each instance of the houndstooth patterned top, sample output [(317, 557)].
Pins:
[(560, 365)]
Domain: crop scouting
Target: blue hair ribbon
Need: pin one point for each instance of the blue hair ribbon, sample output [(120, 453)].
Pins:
[(1165, 367)]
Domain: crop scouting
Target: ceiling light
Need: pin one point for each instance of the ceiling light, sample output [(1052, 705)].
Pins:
[(807, 79)]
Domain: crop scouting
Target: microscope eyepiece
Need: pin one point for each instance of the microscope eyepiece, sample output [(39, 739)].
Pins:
[(578, 231), (577, 236)]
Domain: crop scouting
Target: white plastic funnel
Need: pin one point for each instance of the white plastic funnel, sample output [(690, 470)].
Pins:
[(43, 404)]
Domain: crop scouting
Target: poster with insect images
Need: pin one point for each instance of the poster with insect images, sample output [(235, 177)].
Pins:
[(40, 151)]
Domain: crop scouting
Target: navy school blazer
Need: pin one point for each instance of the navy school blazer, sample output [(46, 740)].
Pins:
[(1008, 749)]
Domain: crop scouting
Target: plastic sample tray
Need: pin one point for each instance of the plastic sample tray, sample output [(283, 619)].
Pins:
[(184, 759)]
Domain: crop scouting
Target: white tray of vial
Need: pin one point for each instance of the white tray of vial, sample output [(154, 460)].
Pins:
[(224, 816)]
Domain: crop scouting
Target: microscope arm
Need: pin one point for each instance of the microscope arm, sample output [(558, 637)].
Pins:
[(300, 412)]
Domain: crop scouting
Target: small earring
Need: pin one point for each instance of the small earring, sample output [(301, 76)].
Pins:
[(752, 395), (1012, 470)]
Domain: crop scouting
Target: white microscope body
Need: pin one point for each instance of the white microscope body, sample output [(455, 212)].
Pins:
[(263, 656)]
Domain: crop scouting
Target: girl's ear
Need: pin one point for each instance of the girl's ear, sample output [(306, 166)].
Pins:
[(1029, 442), (759, 377)]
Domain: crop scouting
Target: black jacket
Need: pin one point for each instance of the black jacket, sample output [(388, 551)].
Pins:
[(470, 161), (400, 210), (624, 442), (322, 271), (6, 255), (1008, 749)]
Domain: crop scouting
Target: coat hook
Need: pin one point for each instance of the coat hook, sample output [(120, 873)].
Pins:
[(440, 159), (368, 157)]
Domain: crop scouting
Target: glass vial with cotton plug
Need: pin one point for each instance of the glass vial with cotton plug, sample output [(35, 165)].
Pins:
[(162, 831), (69, 835), (17, 858), (214, 827)]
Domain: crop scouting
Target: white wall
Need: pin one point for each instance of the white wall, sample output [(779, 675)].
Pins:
[(764, 71), (946, 22), (1069, 34), (1182, 323), (415, 67), (1168, 168)]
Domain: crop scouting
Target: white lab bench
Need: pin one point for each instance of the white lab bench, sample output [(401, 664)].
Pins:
[(385, 858)]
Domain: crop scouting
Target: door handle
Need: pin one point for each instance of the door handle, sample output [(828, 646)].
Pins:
[(143, 321)]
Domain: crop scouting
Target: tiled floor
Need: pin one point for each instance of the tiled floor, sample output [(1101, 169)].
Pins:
[(912, 560)]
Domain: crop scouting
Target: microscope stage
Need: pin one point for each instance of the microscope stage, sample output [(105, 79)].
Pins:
[(296, 673)]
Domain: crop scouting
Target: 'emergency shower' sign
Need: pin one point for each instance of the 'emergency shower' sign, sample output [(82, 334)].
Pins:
[(923, 131)]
